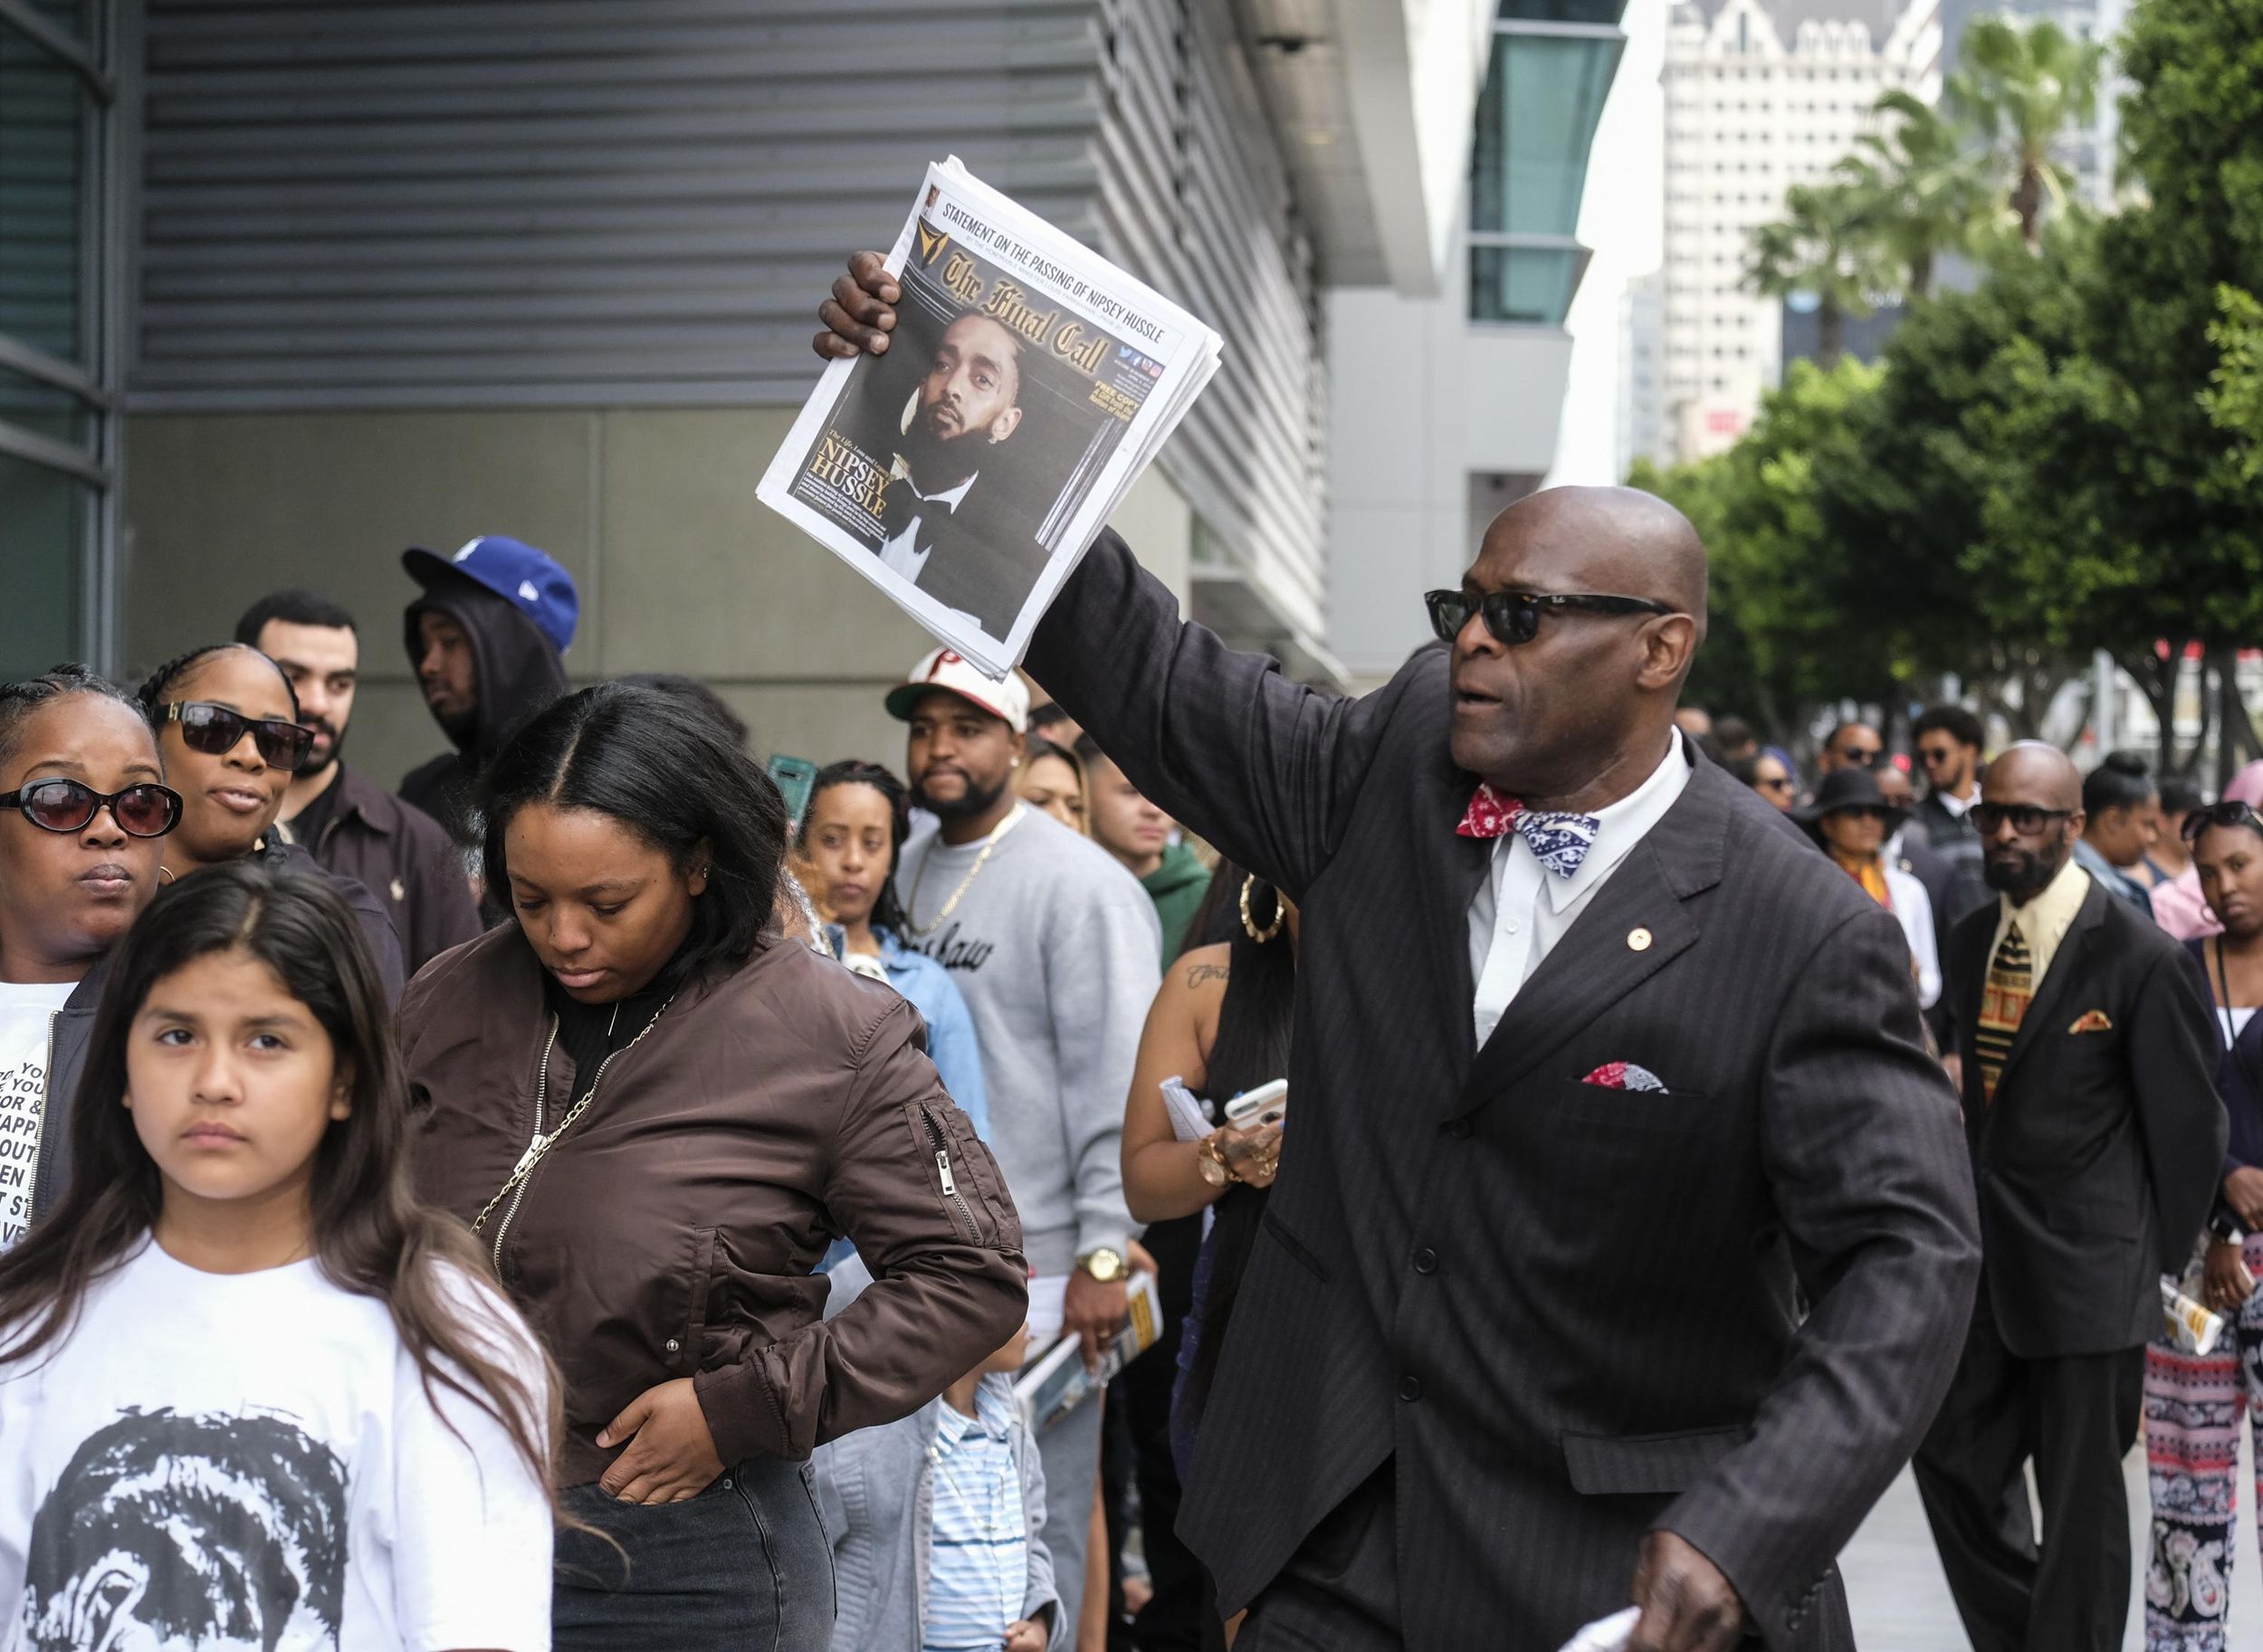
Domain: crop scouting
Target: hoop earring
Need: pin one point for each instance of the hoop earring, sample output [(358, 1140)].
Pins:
[(165, 877), (1249, 925)]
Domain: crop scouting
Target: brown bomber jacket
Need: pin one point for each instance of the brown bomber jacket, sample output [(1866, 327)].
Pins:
[(671, 1232)]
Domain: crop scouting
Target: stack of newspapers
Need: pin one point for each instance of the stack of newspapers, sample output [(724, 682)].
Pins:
[(1028, 383)]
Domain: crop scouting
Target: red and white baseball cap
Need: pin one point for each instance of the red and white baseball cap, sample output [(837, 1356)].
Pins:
[(945, 670)]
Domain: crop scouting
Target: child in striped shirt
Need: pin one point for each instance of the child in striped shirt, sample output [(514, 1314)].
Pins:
[(936, 1523)]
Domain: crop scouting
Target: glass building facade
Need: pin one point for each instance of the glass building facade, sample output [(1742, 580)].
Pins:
[(1551, 68), (58, 344)]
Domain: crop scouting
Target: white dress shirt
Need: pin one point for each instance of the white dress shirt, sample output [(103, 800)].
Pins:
[(1521, 911), (902, 554)]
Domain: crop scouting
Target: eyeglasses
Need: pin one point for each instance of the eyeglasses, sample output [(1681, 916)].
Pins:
[(215, 730), (1861, 757), (1933, 756), (2231, 812), (1781, 783), (1513, 617), (148, 810), (2025, 818)]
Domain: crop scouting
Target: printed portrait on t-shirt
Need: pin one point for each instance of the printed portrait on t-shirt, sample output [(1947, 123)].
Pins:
[(218, 1531)]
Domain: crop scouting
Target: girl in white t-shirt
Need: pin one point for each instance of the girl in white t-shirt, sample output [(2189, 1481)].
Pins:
[(252, 1394)]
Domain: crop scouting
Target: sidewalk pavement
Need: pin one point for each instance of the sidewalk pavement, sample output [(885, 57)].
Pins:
[(1901, 1601)]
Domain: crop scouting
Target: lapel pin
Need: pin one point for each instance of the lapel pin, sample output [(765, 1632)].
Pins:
[(1638, 940)]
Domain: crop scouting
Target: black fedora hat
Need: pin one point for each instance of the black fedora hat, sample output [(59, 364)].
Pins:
[(1848, 789)]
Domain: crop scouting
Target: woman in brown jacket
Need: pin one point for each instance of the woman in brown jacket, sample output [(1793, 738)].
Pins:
[(657, 1114)]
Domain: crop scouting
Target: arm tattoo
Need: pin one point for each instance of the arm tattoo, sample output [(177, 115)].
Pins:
[(1198, 974)]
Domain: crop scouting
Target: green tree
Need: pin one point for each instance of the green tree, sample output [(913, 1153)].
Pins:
[(1918, 187), (1826, 245), (2018, 90), (2234, 398)]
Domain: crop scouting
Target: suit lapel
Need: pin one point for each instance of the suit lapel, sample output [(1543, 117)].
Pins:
[(1456, 871), (1596, 963), (2051, 998)]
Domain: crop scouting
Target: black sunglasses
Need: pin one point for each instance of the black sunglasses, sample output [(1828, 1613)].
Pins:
[(215, 730), (1861, 757), (2026, 818), (148, 810), (1513, 617), (2231, 812)]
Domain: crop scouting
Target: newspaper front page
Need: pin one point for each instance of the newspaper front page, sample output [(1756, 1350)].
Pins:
[(1026, 384)]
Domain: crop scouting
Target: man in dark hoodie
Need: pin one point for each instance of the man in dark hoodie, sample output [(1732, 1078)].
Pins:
[(487, 640)]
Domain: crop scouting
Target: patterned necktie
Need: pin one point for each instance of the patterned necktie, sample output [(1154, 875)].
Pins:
[(1559, 841), (2004, 1001)]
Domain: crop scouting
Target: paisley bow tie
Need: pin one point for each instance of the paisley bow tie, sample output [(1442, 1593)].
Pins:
[(1559, 841)]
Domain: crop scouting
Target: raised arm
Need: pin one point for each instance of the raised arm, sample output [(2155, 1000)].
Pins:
[(1263, 768), (1865, 1157)]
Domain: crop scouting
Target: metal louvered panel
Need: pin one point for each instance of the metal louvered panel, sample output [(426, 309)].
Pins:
[(560, 201), (1194, 199), (489, 202)]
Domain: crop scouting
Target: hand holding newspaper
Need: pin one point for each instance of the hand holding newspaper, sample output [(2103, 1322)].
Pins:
[(1027, 385)]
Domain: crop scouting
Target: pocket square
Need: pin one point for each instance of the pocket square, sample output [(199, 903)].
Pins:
[(1623, 1076), (2092, 1021)]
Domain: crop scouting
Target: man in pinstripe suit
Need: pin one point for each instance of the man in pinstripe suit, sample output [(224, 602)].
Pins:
[(1596, 1063)]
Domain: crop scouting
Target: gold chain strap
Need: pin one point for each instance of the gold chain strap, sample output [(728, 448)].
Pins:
[(542, 1143), (973, 872)]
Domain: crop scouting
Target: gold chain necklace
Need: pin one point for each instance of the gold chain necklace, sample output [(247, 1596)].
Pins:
[(542, 1143), (913, 905)]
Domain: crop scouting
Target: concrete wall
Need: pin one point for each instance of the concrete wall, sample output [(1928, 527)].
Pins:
[(679, 566)]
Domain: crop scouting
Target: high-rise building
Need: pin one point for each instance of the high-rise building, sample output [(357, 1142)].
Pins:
[(1642, 431), (1445, 410), (1759, 95)]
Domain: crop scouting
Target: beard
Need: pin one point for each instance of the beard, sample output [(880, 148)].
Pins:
[(2024, 875), (936, 461), (975, 801), (316, 762)]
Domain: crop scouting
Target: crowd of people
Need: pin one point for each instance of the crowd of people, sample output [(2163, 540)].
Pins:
[(574, 1198), (2137, 1157)]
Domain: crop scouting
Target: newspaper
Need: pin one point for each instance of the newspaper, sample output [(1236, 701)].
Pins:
[(1056, 1383), (1027, 385)]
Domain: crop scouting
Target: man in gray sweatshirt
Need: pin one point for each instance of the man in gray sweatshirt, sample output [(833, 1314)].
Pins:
[(1053, 945)]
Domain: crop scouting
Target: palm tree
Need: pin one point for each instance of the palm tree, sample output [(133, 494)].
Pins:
[(1918, 187), (1826, 245), (2019, 91)]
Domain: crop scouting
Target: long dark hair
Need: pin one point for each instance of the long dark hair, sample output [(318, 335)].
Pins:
[(887, 909), (1254, 1022), (659, 765), (371, 1236)]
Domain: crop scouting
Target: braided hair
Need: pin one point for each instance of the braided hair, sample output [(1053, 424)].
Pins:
[(151, 694), (887, 909), (20, 698)]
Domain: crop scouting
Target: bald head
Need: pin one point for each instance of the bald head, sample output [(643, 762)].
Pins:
[(2037, 774), (2030, 814), (1576, 710), (1621, 542)]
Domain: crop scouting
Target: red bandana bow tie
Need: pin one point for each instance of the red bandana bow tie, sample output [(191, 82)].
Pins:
[(1559, 841)]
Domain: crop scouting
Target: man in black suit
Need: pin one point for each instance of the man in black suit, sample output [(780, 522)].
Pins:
[(2089, 1060), (1598, 1063), (949, 525)]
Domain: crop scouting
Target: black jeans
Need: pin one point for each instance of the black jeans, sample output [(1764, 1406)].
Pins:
[(742, 1566)]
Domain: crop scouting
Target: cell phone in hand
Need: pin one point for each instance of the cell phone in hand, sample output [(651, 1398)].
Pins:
[(1266, 1105), (795, 777)]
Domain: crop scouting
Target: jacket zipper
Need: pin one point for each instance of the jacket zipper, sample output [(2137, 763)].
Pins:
[(942, 1167), (541, 1088)]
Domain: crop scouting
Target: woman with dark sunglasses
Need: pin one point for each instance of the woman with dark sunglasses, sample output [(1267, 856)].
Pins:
[(227, 726), (83, 813)]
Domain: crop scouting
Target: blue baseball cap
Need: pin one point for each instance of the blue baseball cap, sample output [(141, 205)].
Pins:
[(529, 580)]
